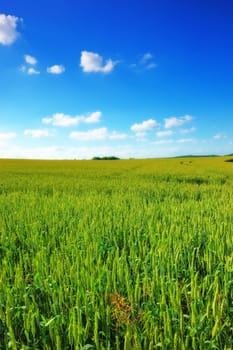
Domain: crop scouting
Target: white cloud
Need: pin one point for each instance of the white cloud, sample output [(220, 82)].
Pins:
[(37, 132), (30, 59), (118, 136), (93, 62), (65, 120), (56, 69), (7, 136), (164, 133), (141, 134), (93, 117), (23, 69), (174, 121), (29, 71), (145, 62), (185, 140), (61, 119), (90, 135), (220, 136), (32, 71), (151, 65), (147, 56), (162, 142), (187, 131), (146, 125), (8, 32), (97, 134)]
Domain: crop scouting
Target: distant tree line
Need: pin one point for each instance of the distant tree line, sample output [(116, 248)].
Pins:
[(106, 158)]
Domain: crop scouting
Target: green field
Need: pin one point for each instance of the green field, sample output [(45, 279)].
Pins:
[(125, 254)]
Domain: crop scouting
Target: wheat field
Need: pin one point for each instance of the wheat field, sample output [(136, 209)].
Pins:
[(125, 254)]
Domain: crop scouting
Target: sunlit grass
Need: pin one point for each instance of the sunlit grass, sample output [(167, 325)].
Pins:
[(133, 254)]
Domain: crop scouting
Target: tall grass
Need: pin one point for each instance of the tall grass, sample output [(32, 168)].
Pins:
[(124, 255)]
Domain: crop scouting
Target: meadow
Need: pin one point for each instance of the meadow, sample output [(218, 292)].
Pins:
[(122, 255)]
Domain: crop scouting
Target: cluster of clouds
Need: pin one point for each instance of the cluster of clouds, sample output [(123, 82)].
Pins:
[(141, 129), (66, 121), (169, 131), (29, 66), (138, 130), (90, 140), (30, 63), (90, 62)]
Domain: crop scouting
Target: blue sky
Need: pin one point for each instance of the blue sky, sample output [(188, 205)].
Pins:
[(135, 78)]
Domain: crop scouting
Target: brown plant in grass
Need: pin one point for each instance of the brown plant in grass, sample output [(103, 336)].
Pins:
[(122, 312)]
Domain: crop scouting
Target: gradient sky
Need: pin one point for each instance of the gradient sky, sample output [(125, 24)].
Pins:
[(135, 78)]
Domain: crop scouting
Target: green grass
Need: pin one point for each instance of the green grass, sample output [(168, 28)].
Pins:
[(134, 254)]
